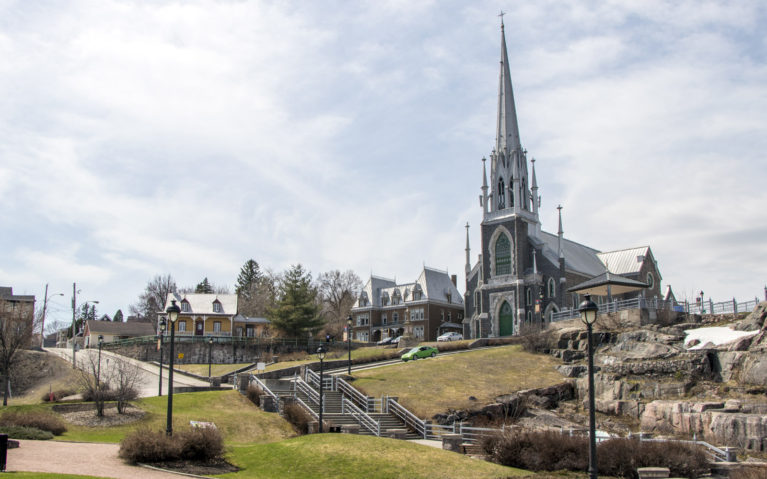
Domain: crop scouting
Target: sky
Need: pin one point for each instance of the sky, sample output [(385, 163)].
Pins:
[(140, 138)]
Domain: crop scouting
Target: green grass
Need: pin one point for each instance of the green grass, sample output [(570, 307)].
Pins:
[(215, 370), (352, 456), (237, 418), (431, 386)]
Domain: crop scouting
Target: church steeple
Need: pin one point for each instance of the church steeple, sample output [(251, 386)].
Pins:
[(509, 183)]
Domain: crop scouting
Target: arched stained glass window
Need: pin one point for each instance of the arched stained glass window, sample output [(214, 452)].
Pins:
[(502, 255), (501, 194)]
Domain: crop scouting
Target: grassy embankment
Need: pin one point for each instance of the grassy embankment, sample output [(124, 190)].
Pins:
[(431, 386)]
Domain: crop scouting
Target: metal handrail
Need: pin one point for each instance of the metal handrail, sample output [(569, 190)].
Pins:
[(262, 385), (348, 390), (407, 417), (364, 420), (313, 395), (311, 378), (307, 408)]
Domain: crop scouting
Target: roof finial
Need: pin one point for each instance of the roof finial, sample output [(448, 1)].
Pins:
[(501, 15)]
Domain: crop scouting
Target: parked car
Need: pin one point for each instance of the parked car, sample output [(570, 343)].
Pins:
[(385, 341), (420, 352), (452, 336), (396, 340)]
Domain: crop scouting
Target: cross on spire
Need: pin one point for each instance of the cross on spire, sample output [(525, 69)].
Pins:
[(501, 15)]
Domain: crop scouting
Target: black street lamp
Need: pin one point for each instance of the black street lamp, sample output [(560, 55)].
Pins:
[(162, 332), (349, 341), (589, 310), (210, 349), (98, 373), (172, 311), (321, 355)]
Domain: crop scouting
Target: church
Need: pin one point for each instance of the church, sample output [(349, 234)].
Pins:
[(523, 273)]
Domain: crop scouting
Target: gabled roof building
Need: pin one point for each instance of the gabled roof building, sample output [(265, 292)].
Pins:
[(523, 273), (424, 308)]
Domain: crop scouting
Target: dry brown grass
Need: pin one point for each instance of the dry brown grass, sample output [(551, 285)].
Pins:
[(432, 386)]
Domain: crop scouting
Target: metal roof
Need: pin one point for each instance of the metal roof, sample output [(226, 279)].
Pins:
[(132, 328), (578, 258), (625, 261), (615, 283), (203, 303), (435, 285)]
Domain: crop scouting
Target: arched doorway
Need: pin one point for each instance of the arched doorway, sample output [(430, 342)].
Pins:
[(506, 320)]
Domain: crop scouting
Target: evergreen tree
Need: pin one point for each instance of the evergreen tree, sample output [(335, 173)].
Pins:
[(204, 287), (118, 317), (296, 311), (250, 276)]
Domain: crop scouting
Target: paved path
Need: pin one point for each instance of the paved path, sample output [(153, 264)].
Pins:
[(148, 383), (93, 459)]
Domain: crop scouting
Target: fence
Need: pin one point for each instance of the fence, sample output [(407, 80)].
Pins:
[(709, 307), (348, 407)]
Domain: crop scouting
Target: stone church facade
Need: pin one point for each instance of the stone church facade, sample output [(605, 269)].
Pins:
[(523, 273)]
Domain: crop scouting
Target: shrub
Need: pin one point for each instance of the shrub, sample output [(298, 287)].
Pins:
[(104, 394), (534, 338), (144, 445), (254, 394), (298, 417), (452, 346), (748, 472), (23, 432), (201, 444), (35, 419), (58, 395), (551, 451)]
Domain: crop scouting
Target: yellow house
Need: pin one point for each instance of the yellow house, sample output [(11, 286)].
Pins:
[(203, 314)]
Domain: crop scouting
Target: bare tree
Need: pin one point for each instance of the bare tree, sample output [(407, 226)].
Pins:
[(93, 381), (116, 380), (124, 382), (16, 326), (338, 291), (152, 300)]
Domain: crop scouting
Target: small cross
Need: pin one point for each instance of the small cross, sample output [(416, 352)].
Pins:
[(501, 15)]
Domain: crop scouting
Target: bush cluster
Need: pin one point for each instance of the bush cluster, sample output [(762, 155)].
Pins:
[(23, 432), (104, 394), (748, 473), (254, 393), (58, 395), (551, 451), (34, 419), (201, 444), (298, 417), (452, 346)]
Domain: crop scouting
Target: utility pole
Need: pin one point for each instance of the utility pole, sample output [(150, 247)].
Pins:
[(74, 322), (42, 321)]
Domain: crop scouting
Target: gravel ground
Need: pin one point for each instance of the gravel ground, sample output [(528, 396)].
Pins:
[(94, 459)]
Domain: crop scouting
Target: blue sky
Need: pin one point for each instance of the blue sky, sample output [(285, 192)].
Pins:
[(142, 138)]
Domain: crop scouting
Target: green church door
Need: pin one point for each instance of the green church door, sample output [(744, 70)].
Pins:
[(506, 320)]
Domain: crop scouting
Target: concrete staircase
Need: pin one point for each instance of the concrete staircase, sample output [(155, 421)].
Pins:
[(332, 405)]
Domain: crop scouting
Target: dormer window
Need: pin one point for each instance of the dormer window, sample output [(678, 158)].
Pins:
[(417, 293), (449, 297), (385, 299), (217, 307), (185, 308), (363, 299)]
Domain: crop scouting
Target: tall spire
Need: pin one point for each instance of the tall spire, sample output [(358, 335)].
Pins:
[(560, 233), (468, 252), (534, 190), (507, 133), (484, 188)]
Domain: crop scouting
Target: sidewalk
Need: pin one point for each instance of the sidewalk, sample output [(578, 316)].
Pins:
[(93, 459)]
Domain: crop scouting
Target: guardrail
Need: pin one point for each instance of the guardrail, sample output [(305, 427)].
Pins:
[(410, 419), (310, 393), (348, 407), (307, 408), (352, 393), (714, 453), (263, 386)]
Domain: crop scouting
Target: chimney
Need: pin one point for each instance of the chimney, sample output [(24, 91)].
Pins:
[(454, 279)]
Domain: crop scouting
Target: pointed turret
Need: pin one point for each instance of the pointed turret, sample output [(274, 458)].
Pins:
[(507, 133), (484, 188), (560, 233), (468, 251), (534, 189)]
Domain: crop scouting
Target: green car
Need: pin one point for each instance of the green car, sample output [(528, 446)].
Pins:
[(420, 352)]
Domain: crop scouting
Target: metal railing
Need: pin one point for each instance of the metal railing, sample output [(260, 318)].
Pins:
[(410, 419), (263, 386), (714, 453), (707, 307), (310, 393), (353, 394), (307, 408), (348, 407)]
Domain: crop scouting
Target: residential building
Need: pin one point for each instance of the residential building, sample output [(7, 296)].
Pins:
[(112, 331), (523, 273), (205, 314), (18, 307), (423, 309)]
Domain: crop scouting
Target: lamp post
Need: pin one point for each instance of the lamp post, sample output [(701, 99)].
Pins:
[(349, 341), (321, 355), (172, 311), (589, 310), (98, 373), (162, 331), (702, 304), (210, 349)]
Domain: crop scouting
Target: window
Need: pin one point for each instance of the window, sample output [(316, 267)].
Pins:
[(416, 314), (239, 331), (363, 299), (418, 332), (449, 316), (501, 194), (552, 288), (363, 336), (363, 320), (417, 293), (182, 326), (529, 296), (460, 315), (216, 326), (185, 307), (449, 297), (395, 317), (385, 299), (217, 307), (650, 280), (511, 193), (383, 318), (250, 331), (477, 302), (502, 255), (529, 316)]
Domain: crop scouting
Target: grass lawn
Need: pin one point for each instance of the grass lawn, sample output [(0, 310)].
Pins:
[(352, 456), (237, 418), (215, 370), (431, 386)]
